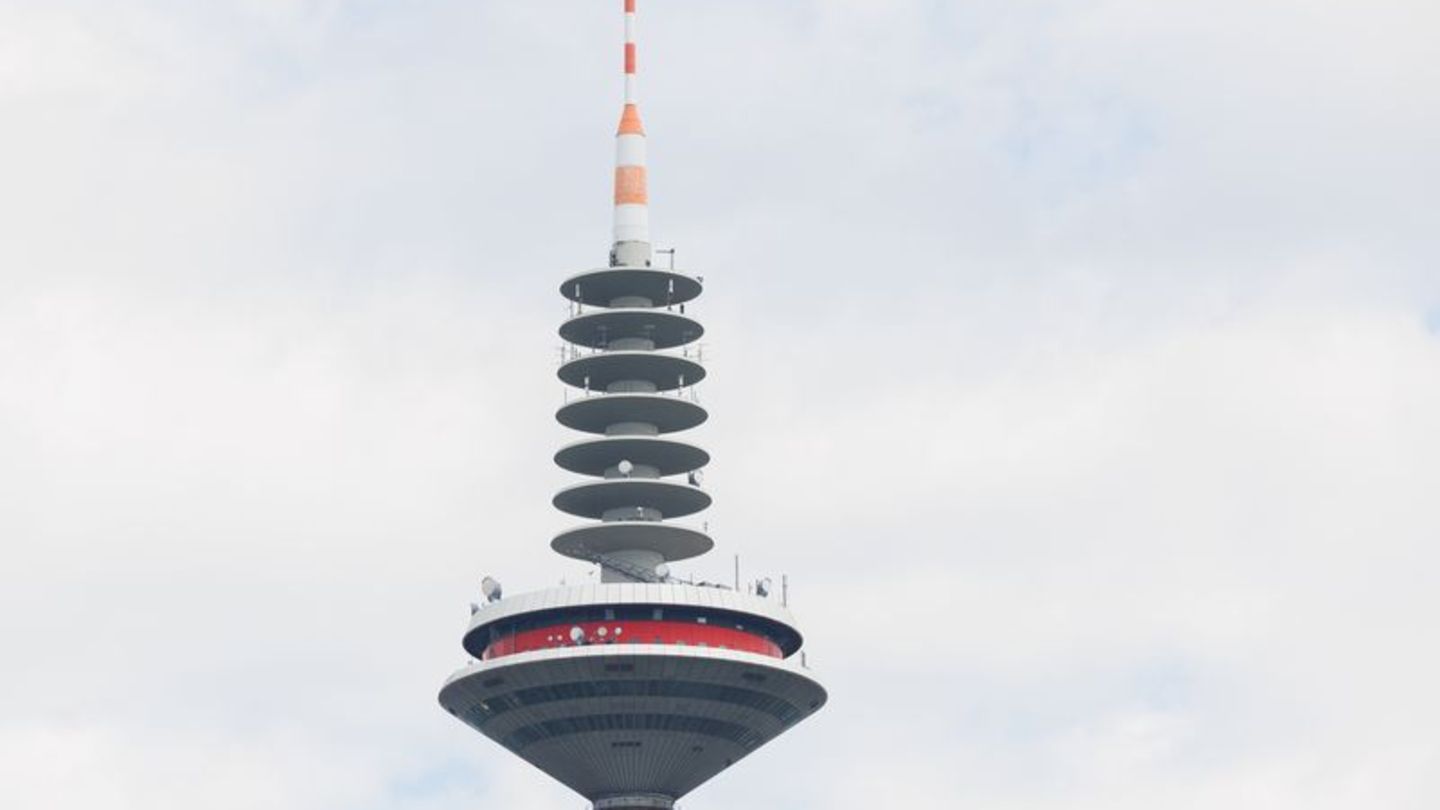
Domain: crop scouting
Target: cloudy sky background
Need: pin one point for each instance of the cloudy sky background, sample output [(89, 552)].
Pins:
[(1079, 361)]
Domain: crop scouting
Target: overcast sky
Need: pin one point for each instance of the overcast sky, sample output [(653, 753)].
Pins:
[(1079, 360)]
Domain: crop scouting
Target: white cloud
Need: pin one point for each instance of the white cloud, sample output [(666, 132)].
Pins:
[(1071, 357)]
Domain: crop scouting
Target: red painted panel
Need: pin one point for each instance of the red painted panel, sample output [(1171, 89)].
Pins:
[(633, 632)]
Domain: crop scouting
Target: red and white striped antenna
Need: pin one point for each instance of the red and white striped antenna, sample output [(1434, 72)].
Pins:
[(632, 195)]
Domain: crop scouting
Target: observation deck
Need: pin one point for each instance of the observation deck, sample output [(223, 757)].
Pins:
[(626, 690)]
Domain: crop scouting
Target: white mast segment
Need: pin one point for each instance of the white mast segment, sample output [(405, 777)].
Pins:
[(632, 196)]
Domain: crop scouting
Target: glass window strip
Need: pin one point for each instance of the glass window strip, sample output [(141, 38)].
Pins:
[(493, 707)]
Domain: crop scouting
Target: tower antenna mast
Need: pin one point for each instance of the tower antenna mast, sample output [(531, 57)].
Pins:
[(631, 247)]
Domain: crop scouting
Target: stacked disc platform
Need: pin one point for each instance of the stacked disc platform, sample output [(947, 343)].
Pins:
[(628, 355)]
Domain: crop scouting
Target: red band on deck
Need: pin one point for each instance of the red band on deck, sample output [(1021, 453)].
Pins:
[(692, 634)]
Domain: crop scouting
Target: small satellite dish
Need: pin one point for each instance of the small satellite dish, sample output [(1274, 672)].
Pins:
[(662, 571), (762, 588), (577, 634), (625, 467), (474, 608), (696, 478), (490, 587)]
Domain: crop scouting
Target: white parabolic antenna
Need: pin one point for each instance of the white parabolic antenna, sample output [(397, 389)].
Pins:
[(490, 587)]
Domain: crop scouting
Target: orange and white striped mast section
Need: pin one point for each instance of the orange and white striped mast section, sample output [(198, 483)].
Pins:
[(632, 196)]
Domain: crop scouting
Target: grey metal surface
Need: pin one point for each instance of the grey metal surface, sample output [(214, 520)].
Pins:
[(673, 543), (596, 456), (595, 413), (612, 720), (596, 329), (600, 287), (598, 371), (640, 801), (594, 498)]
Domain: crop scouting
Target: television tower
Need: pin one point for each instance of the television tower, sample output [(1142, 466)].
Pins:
[(635, 690)]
